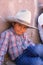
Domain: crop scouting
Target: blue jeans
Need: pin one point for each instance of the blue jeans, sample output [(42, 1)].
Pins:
[(33, 55), (34, 51)]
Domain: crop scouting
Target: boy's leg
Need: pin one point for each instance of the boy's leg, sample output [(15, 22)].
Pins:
[(23, 60), (31, 56), (39, 50), (36, 50), (30, 51), (26, 55)]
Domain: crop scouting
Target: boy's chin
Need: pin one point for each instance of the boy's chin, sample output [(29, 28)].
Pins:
[(19, 33)]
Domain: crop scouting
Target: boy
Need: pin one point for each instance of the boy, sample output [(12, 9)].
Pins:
[(15, 40)]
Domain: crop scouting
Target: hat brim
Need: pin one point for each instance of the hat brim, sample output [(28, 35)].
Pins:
[(24, 23)]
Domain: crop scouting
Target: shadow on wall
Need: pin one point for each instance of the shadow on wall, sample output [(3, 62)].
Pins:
[(3, 25)]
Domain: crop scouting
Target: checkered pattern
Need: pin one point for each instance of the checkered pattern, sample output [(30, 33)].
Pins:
[(15, 44)]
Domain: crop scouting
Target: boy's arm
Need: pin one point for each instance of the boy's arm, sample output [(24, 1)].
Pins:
[(3, 46)]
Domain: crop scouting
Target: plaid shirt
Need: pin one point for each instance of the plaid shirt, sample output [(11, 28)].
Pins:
[(15, 44)]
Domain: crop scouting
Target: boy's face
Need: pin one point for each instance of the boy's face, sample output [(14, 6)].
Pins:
[(19, 28)]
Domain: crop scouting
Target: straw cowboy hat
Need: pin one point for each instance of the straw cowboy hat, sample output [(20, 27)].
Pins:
[(23, 17), (40, 19)]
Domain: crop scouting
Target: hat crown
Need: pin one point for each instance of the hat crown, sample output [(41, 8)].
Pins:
[(24, 15)]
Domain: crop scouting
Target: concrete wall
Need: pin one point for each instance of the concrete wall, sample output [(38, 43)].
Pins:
[(40, 1)]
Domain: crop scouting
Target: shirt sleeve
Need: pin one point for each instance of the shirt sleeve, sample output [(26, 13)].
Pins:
[(3, 46)]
